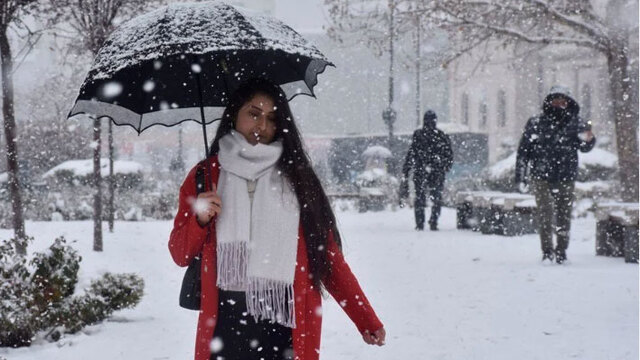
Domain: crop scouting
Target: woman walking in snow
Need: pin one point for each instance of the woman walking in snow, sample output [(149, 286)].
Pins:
[(273, 244)]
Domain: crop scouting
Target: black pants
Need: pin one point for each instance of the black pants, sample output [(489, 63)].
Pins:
[(237, 336), (435, 195)]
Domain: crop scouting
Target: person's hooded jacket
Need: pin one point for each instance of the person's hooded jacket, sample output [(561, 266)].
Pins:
[(550, 143), (430, 155)]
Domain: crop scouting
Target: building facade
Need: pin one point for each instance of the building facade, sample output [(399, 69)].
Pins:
[(497, 96)]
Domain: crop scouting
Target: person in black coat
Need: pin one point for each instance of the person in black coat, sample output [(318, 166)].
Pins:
[(548, 157), (430, 157)]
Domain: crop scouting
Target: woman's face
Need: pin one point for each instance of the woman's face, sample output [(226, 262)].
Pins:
[(256, 120)]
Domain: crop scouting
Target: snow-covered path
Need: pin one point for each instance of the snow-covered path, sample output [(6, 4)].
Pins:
[(444, 295)]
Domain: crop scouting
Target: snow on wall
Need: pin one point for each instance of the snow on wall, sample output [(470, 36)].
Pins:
[(85, 167), (596, 157)]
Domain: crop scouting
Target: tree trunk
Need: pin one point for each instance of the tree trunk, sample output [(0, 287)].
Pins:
[(97, 183), (625, 122), (11, 142), (112, 180)]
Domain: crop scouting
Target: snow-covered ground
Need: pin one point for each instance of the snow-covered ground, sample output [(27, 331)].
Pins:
[(444, 295)]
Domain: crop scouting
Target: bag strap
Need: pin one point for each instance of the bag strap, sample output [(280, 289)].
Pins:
[(200, 188)]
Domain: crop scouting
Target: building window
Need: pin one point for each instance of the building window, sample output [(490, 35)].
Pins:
[(483, 114), (465, 109), (586, 101), (540, 81), (502, 108)]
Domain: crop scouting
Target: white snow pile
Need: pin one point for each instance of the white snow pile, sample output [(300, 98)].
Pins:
[(452, 128), (597, 157), (591, 186), (81, 168), (377, 151), (503, 168), (195, 28), (4, 177)]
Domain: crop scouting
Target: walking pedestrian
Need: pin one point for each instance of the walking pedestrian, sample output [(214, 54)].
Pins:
[(430, 157), (273, 243), (548, 155)]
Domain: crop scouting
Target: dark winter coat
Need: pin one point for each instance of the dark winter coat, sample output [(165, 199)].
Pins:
[(430, 156), (550, 143), (188, 239)]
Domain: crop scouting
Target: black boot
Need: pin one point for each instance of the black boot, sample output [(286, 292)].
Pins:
[(547, 255), (561, 256), (435, 213), (419, 212)]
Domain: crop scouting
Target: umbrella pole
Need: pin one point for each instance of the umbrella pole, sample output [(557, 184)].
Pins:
[(204, 129), (204, 133)]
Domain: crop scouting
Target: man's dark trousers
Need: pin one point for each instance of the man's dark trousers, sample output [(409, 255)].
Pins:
[(435, 195)]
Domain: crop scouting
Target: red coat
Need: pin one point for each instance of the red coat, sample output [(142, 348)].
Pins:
[(188, 239)]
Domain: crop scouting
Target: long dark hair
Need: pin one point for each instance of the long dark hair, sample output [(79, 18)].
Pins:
[(315, 211)]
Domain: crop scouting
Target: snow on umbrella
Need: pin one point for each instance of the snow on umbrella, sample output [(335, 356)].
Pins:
[(181, 62)]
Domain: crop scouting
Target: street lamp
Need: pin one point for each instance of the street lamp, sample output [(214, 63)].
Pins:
[(389, 115)]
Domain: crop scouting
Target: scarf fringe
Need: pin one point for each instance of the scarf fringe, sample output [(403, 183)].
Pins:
[(273, 300), (232, 264), (267, 299)]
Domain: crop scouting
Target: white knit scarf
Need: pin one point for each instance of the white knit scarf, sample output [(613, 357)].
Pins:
[(257, 243)]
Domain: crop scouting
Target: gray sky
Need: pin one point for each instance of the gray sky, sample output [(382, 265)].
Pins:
[(302, 15)]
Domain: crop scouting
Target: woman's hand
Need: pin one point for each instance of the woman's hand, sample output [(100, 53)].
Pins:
[(375, 338), (206, 206)]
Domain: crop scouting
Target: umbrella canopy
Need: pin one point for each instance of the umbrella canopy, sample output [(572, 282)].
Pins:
[(181, 62)]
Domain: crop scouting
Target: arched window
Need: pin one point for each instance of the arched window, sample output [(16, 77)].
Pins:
[(586, 101), (484, 109), (540, 81), (465, 108), (502, 108)]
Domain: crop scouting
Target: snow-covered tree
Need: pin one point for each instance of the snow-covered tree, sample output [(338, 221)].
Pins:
[(93, 21), (12, 18)]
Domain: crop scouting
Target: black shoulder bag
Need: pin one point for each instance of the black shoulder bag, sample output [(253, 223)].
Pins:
[(190, 291)]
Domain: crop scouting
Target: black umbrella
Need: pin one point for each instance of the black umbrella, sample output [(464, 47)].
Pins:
[(181, 62)]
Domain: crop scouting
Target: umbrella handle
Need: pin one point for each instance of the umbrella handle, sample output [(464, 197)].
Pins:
[(204, 130)]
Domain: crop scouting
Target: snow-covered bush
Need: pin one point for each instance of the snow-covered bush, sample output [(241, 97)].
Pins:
[(38, 296), (17, 323), (110, 293), (5, 214), (74, 202)]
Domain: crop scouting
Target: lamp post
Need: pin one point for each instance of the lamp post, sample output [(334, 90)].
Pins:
[(418, 95), (389, 115)]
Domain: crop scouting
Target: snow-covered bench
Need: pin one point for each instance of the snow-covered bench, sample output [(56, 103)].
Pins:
[(338, 196), (472, 208), (371, 199), (617, 230), (494, 212)]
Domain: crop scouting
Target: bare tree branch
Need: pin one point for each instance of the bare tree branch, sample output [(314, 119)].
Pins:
[(579, 26)]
